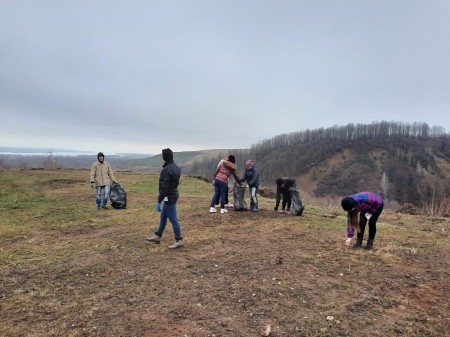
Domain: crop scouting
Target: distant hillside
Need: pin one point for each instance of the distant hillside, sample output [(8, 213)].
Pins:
[(405, 163), (20, 158), (184, 159), (392, 159)]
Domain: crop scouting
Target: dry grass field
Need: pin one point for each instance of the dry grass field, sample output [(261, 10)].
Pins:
[(67, 269)]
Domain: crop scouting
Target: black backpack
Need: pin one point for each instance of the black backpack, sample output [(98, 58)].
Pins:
[(118, 196)]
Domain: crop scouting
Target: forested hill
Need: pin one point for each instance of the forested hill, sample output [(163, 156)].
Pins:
[(391, 158)]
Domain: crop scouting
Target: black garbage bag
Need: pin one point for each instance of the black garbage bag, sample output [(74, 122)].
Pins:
[(239, 197), (297, 206), (118, 196)]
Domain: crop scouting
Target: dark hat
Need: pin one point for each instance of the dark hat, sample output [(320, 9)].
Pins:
[(232, 159), (348, 204), (279, 181), (167, 154), (100, 154)]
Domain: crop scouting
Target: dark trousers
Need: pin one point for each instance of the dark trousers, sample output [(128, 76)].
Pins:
[(220, 188), (372, 223), (287, 199), (226, 198)]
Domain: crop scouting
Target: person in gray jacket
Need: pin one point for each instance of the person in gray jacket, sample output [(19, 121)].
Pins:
[(251, 176), (101, 176)]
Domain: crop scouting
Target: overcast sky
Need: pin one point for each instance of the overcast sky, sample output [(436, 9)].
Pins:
[(142, 75)]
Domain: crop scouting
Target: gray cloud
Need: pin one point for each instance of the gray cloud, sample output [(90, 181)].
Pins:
[(138, 76)]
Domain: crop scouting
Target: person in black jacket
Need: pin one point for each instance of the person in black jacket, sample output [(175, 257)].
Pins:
[(169, 180), (283, 189)]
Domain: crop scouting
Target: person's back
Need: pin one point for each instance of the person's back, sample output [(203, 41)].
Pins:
[(169, 180), (225, 170)]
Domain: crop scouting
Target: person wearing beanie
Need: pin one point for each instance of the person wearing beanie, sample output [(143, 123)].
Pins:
[(284, 186), (251, 176), (369, 206), (224, 170), (169, 179), (101, 176)]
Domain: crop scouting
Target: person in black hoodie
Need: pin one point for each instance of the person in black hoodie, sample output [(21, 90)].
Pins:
[(283, 190), (169, 180)]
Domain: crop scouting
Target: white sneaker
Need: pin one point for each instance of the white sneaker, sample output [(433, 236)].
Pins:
[(176, 244), (155, 238), (223, 210), (229, 205), (212, 210)]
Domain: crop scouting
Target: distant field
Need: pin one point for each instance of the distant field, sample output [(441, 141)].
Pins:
[(69, 270)]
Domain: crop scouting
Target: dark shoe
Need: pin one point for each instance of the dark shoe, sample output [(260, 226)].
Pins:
[(369, 245), (155, 238), (358, 244)]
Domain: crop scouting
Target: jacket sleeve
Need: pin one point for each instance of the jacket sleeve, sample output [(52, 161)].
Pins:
[(350, 231), (92, 175), (235, 176), (244, 178), (164, 185), (111, 173)]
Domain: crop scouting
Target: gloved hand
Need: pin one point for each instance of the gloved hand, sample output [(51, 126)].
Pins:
[(348, 241), (158, 207), (92, 184), (114, 181)]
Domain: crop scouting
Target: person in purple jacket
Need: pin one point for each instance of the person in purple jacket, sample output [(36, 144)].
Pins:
[(369, 206)]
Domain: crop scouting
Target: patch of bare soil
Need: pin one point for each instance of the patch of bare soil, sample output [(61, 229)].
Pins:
[(239, 274)]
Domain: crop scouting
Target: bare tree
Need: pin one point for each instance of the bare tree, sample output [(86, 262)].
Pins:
[(434, 196), (384, 185), (50, 161)]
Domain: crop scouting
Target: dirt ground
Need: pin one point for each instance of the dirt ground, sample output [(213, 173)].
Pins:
[(91, 273)]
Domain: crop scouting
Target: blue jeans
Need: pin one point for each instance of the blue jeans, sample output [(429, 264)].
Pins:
[(169, 211), (98, 199), (220, 190), (253, 198)]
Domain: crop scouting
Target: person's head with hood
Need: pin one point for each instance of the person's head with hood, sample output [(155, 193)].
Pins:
[(167, 154), (232, 159), (100, 157)]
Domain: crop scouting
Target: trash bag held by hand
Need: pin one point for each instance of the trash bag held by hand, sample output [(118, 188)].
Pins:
[(118, 196), (297, 206), (239, 197)]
